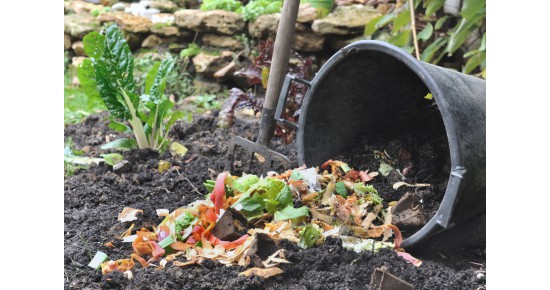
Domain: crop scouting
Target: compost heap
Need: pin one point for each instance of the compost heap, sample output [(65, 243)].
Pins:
[(302, 205)]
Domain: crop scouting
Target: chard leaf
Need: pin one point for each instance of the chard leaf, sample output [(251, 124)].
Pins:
[(120, 144), (114, 74), (119, 127), (94, 44), (151, 75), (309, 235), (289, 212), (159, 83), (86, 76)]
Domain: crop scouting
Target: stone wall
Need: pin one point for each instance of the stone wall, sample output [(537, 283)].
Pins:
[(171, 26)]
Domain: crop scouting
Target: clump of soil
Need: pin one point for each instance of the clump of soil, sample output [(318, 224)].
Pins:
[(94, 197)]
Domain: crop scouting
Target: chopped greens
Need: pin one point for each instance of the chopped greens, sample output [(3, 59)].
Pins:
[(185, 221)]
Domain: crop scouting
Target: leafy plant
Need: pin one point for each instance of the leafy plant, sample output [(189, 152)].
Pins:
[(227, 5), (253, 79), (108, 73), (255, 8), (438, 37)]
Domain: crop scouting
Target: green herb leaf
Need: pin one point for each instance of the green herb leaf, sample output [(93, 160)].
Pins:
[(426, 33), (371, 28), (112, 158), (432, 6), (471, 9), (401, 20), (401, 39), (440, 22)]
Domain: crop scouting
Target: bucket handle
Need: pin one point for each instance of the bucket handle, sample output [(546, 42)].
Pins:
[(282, 100)]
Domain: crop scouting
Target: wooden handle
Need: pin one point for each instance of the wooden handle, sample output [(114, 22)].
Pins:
[(281, 52)]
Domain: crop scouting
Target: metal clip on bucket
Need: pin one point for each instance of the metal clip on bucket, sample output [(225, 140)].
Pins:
[(376, 90)]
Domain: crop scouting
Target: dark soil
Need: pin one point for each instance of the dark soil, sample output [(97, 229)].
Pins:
[(95, 196)]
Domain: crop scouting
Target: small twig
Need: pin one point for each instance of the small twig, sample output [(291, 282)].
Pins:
[(189, 183), (413, 27)]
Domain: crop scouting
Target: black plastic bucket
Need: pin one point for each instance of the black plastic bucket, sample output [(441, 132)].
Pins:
[(380, 88)]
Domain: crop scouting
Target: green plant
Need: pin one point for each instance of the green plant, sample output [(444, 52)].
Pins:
[(255, 8), (227, 5), (438, 38), (108, 73), (207, 102)]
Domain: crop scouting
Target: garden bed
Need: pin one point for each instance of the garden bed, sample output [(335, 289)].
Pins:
[(94, 197)]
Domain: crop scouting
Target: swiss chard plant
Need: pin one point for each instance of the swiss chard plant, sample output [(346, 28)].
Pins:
[(108, 73)]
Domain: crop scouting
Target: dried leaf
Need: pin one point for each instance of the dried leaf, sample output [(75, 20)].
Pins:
[(176, 149), (109, 245), (260, 158), (163, 166), (128, 214), (264, 273), (127, 233)]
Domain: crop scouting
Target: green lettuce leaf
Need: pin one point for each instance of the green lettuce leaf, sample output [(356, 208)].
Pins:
[(309, 235)]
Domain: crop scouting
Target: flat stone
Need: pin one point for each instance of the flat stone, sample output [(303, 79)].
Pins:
[(153, 41), (78, 25), (306, 13), (127, 22), (222, 41), (345, 20), (164, 6), (308, 41), (208, 63), (219, 21), (264, 26), (79, 6), (78, 48), (165, 30), (67, 41)]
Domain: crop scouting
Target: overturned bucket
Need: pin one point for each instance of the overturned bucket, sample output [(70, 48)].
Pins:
[(371, 88)]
